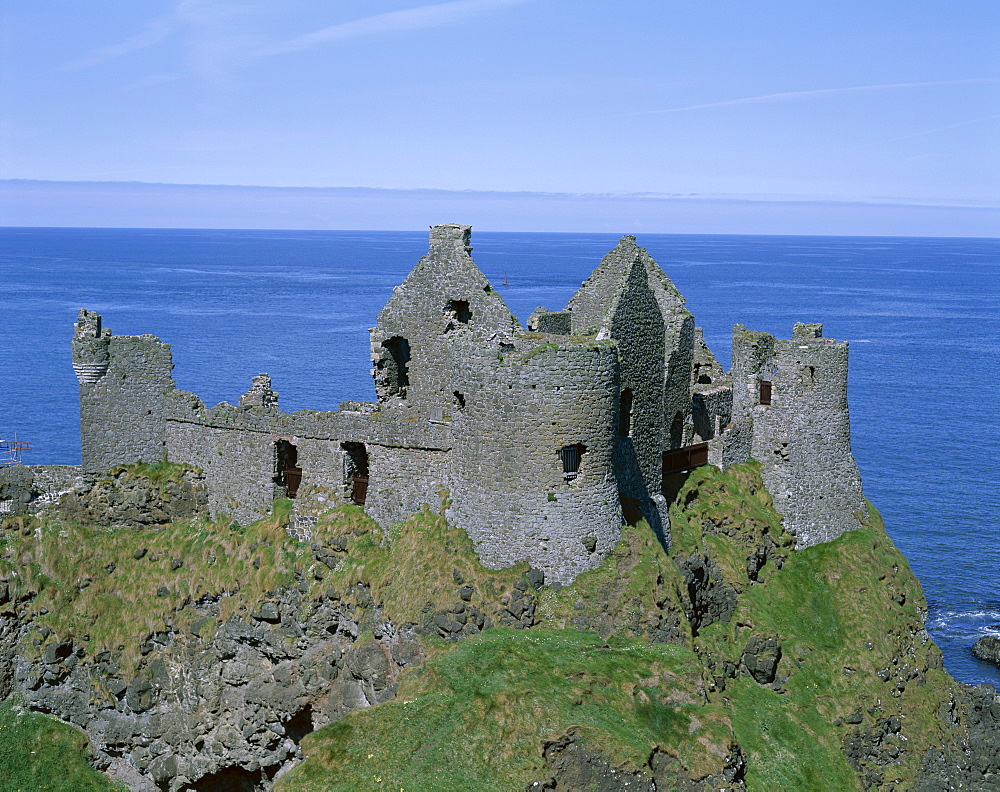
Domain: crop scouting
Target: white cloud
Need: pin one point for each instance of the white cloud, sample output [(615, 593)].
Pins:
[(427, 16), (155, 32), (218, 41), (787, 95)]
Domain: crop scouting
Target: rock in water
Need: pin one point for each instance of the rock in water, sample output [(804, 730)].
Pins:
[(987, 648)]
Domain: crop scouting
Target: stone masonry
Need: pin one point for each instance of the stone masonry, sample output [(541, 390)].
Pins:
[(541, 441)]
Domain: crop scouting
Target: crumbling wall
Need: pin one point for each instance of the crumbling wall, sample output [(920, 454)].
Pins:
[(443, 308), (236, 448), (31, 488), (125, 382), (798, 427), (628, 297)]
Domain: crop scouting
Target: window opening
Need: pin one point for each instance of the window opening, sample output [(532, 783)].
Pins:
[(395, 366), (677, 431), (459, 399), (765, 392), (458, 310), (356, 471), (625, 413), (287, 474), (570, 456)]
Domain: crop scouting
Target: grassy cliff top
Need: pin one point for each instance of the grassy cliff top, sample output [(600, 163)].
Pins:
[(812, 665)]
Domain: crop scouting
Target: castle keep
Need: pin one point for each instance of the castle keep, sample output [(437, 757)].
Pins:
[(543, 440)]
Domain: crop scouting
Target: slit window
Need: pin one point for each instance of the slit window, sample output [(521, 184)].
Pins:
[(625, 413), (570, 457), (459, 399), (765, 392), (677, 431)]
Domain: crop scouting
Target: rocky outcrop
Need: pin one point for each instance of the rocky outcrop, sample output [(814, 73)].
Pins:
[(221, 707), (709, 598), (575, 767), (987, 648), (128, 499), (971, 758), (761, 657)]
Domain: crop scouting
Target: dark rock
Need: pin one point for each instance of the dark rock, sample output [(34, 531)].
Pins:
[(163, 591), (761, 658), (709, 599), (466, 592), (57, 652), (139, 695), (574, 766), (268, 612), (987, 648), (139, 553), (536, 578), (176, 564)]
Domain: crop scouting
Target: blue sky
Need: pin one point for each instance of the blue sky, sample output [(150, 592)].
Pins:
[(875, 101)]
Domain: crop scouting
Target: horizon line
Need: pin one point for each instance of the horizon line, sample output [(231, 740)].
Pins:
[(645, 195)]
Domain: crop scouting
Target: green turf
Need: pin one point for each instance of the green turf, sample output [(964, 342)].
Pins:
[(40, 754)]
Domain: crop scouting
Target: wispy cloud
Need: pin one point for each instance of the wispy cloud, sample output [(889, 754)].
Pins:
[(931, 131), (791, 95), (155, 32), (427, 16), (217, 43)]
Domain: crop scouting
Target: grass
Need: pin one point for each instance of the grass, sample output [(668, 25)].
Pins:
[(74, 576), (477, 717), (158, 472), (39, 753)]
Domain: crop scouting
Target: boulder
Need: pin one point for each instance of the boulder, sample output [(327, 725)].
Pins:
[(987, 648)]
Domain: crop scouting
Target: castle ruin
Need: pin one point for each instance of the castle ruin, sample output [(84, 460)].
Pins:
[(543, 441)]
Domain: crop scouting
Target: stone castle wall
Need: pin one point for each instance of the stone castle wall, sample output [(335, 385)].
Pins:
[(540, 438), (125, 383)]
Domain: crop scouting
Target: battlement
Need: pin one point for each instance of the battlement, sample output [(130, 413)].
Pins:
[(543, 440)]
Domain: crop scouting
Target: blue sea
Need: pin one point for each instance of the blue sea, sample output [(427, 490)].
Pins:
[(922, 317)]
